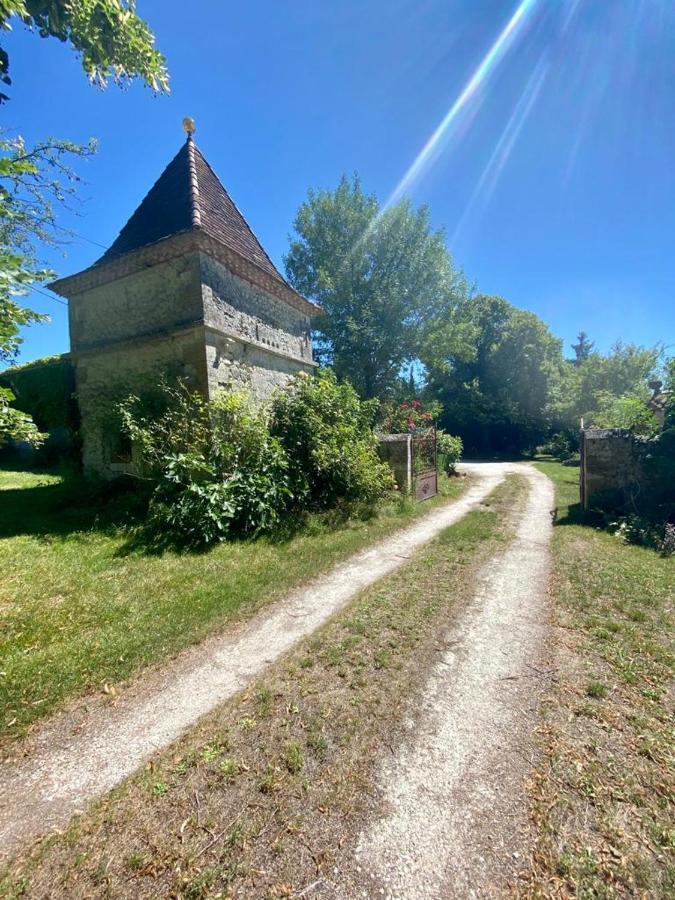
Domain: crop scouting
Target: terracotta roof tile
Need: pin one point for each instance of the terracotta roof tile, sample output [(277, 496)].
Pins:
[(186, 196)]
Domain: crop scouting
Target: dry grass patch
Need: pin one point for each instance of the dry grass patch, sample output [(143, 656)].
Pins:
[(603, 802), (266, 797)]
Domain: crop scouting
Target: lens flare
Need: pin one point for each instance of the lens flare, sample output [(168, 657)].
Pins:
[(500, 155), (513, 27), (440, 136)]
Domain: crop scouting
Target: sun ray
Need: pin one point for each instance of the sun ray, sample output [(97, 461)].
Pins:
[(505, 39), (462, 104), (500, 156)]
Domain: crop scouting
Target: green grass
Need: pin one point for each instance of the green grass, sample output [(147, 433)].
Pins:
[(604, 799), (265, 808), (84, 607)]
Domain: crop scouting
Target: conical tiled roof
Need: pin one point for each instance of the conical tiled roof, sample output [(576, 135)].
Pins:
[(188, 196)]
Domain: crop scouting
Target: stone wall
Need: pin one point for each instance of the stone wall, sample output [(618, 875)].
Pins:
[(161, 298), (234, 365), (396, 450), (240, 309), (187, 317), (610, 461), (106, 376)]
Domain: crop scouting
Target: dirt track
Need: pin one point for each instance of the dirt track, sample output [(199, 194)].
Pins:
[(83, 752), (455, 789)]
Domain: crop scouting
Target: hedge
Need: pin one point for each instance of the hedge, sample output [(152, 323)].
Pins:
[(45, 390)]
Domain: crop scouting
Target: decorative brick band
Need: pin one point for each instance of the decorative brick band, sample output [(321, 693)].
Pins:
[(178, 245)]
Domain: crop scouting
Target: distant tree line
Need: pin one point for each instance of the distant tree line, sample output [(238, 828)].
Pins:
[(401, 320)]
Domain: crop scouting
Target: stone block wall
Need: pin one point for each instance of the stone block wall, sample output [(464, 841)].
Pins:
[(610, 461), (105, 377), (234, 365), (396, 450), (160, 298), (237, 308), (186, 316)]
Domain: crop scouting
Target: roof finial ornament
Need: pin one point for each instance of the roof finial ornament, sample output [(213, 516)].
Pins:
[(189, 126)]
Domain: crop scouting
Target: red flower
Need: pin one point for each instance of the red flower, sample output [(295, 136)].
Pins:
[(416, 404)]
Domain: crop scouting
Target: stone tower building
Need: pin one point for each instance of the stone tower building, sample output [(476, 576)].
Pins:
[(186, 289)]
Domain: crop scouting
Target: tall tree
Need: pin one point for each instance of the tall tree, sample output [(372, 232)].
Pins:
[(379, 276), (114, 42), (589, 385), (583, 348), (496, 390), (669, 371)]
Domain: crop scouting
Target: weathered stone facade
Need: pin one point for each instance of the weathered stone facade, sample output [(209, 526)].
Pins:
[(204, 306), (396, 451), (611, 461)]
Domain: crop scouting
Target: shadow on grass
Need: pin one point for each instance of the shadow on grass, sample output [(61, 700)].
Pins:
[(119, 508), (574, 514), (69, 506)]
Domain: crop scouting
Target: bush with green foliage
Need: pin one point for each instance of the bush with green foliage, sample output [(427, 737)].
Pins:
[(225, 467), (562, 445), (14, 424), (640, 530), (327, 433), (216, 469), (449, 448), (629, 411), (44, 389)]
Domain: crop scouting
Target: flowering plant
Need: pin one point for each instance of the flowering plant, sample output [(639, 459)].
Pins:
[(409, 416)]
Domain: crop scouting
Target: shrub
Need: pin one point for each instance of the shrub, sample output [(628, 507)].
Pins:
[(449, 448), (217, 470), (326, 431), (635, 529), (399, 418), (16, 425), (629, 412), (562, 445), (44, 389)]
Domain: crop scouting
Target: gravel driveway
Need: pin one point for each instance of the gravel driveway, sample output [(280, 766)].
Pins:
[(455, 789)]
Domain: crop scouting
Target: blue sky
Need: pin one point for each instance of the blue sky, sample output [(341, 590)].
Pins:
[(555, 181)]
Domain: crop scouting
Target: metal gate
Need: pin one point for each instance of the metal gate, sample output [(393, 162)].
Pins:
[(425, 464)]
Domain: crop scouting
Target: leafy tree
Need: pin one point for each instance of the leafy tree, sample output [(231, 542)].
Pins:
[(379, 276), (583, 348), (495, 392), (624, 371), (32, 181), (113, 41), (14, 424), (629, 412), (669, 369)]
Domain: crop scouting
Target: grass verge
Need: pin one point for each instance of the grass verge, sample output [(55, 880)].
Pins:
[(603, 801), (83, 607), (267, 795)]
